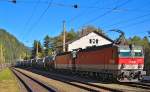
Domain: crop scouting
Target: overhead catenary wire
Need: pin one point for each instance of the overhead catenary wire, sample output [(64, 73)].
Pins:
[(135, 23), (82, 12), (74, 5), (106, 13), (39, 19), (37, 24), (130, 25), (47, 2), (41, 16), (88, 12), (31, 16), (129, 20)]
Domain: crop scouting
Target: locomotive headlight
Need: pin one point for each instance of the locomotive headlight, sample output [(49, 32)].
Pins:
[(139, 65), (123, 66)]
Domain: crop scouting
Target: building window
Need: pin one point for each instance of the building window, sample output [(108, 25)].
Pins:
[(93, 41), (90, 41), (96, 41)]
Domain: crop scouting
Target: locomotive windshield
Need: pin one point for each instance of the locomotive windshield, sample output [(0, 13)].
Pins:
[(138, 53), (124, 53), (130, 53)]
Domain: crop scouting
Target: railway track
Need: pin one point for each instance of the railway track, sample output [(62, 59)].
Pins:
[(134, 85), (144, 84), (31, 84), (87, 88), (78, 85), (88, 84), (83, 85), (93, 86), (107, 86), (138, 85)]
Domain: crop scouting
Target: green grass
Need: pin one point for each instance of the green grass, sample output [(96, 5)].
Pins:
[(8, 83), (6, 75)]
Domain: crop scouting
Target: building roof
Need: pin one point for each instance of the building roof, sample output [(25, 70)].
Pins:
[(89, 49), (100, 34)]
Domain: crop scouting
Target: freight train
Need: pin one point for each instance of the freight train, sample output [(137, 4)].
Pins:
[(123, 63)]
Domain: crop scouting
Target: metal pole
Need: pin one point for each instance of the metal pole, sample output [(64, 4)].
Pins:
[(37, 49), (64, 36), (149, 34), (26, 55)]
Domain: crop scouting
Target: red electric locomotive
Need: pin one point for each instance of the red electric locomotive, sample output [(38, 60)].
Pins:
[(119, 62)]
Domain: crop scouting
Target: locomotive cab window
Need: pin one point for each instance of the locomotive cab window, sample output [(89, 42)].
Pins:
[(138, 53), (124, 53), (129, 53)]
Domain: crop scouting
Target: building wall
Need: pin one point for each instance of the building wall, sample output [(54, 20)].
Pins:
[(88, 40)]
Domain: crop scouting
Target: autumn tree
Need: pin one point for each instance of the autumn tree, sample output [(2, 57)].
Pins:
[(87, 29), (12, 48)]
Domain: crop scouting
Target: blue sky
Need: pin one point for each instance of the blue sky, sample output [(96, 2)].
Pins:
[(130, 16)]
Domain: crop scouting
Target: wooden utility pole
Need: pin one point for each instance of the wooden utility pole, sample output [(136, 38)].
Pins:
[(64, 36), (1, 55), (37, 49)]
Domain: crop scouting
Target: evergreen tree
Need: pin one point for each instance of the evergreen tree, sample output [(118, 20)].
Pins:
[(37, 47), (48, 45), (71, 35), (56, 43)]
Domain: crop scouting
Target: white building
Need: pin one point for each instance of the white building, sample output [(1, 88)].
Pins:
[(90, 39)]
